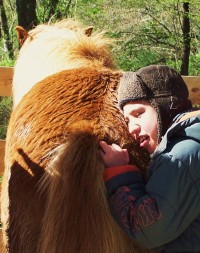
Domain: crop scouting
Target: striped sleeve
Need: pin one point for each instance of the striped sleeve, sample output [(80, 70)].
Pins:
[(131, 206)]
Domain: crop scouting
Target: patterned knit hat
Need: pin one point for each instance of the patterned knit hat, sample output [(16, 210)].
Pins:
[(162, 86)]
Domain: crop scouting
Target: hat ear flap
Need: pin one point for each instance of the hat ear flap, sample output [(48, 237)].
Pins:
[(161, 127)]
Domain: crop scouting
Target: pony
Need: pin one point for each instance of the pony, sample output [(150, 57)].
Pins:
[(65, 100)]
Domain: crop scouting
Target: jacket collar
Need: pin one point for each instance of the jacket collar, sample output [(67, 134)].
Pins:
[(181, 121)]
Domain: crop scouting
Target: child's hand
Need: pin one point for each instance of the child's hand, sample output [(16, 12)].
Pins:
[(113, 155)]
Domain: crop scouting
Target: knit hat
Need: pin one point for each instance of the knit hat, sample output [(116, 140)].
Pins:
[(162, 86)]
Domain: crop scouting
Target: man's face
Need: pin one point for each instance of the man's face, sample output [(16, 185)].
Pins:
[(142, 123)]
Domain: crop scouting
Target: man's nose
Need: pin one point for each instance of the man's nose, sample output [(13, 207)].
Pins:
[(134, 129)]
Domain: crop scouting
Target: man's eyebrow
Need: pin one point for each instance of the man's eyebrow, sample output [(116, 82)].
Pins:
[(136, 107)]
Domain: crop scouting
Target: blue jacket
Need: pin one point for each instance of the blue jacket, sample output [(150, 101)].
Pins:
[(163, 213)]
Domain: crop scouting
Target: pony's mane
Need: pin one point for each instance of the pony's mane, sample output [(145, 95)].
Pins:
[(69, 24), (51, 48)]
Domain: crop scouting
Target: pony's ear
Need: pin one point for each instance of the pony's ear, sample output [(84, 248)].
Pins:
[(88, 31), (22, 34)]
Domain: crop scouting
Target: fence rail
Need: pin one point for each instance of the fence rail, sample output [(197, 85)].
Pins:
[(6, 74)]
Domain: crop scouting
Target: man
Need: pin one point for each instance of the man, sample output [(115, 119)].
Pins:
[(162, 213)]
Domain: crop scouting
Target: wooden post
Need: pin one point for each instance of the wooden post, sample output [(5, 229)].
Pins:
[(193, 84), (6, 74)]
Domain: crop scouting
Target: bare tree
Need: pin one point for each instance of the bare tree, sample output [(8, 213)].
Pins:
[(186, 39), (26, 12), (52, 9), (55, 9), (5, 29)]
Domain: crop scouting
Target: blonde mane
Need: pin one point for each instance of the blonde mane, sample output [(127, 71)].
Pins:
[(51, 48)]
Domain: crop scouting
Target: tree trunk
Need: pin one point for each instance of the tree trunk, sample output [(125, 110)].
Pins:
[(26, 12), (186, 39), (5, 27), (52, 10)]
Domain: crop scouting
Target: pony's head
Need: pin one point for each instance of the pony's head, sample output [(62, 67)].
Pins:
[(51, 48)]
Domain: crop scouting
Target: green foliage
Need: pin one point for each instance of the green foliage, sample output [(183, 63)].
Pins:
[(6, 62), (5, 110), (145, 33), (54, 10), (194, 65), (133, 60)]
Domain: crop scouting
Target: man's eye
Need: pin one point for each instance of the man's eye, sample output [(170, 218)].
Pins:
[(138, 114)]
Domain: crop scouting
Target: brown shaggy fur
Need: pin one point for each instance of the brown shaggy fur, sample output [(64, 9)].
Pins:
[(54, 199)]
